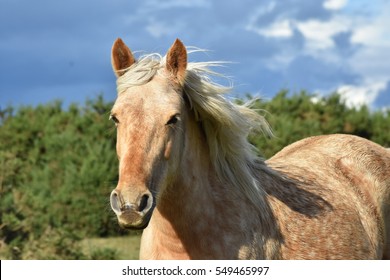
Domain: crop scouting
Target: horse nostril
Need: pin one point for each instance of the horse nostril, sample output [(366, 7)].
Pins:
[(143, 203), (114, 200), (120, 205)]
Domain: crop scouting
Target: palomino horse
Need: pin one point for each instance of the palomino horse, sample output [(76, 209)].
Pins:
[(190, 179)]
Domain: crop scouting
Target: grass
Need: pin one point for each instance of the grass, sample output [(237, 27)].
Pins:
[(122, 248)]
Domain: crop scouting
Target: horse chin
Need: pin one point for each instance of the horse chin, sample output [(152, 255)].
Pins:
[(134, 227), (139, 224)]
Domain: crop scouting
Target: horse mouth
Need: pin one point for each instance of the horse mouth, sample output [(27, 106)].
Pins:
[(134, 220)]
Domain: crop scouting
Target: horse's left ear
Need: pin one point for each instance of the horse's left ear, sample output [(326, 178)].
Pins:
[(177, 61)]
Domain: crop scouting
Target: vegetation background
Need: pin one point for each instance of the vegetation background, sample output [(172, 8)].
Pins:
[(58, 166)]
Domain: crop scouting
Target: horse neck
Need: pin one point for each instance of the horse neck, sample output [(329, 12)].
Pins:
[(203, 216)]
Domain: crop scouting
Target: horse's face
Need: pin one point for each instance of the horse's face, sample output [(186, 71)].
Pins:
[(149, 122)]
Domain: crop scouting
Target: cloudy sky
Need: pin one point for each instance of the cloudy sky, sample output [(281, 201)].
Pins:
[(61, 49)]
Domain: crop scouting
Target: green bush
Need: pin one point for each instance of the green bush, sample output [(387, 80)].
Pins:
[(57, 168), (104, 254)]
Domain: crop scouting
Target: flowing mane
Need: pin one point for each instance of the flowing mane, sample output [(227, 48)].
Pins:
[(226, 125)]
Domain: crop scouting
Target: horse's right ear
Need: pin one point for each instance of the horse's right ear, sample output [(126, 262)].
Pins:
[(121, 57)]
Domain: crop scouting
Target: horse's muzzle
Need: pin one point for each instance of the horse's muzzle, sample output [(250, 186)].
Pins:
[(132, 215)]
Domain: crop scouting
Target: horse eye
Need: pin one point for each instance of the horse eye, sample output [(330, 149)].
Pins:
[(114, 119), (173, 120)]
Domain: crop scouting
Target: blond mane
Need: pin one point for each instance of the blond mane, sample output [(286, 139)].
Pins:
[(226, 125)]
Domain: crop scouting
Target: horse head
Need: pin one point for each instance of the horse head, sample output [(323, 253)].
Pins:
[(148, 114)]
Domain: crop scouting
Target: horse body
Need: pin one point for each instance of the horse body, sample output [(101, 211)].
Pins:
[(301, 224), (189, 177), (339, 206)]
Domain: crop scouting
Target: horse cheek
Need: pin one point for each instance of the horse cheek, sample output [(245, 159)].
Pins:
[(168, 149)]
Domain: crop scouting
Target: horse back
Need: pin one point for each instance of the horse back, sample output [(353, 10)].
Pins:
[(338, 206)]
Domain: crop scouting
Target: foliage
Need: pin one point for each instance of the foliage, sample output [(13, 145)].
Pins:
[(118, 247), (58, 166)]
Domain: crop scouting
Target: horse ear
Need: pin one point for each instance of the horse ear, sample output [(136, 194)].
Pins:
[(121, 57), (177, 61)]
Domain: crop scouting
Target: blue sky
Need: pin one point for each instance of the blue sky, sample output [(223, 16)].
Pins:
[(61, 49)]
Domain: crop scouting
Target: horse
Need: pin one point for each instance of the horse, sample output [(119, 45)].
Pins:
[(189, 177)]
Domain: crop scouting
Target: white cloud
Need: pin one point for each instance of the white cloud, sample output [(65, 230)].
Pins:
[(334, 4), (372, 36), (364, 55), (319, 34), (358, 95), (373, 32), (279, 29)]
